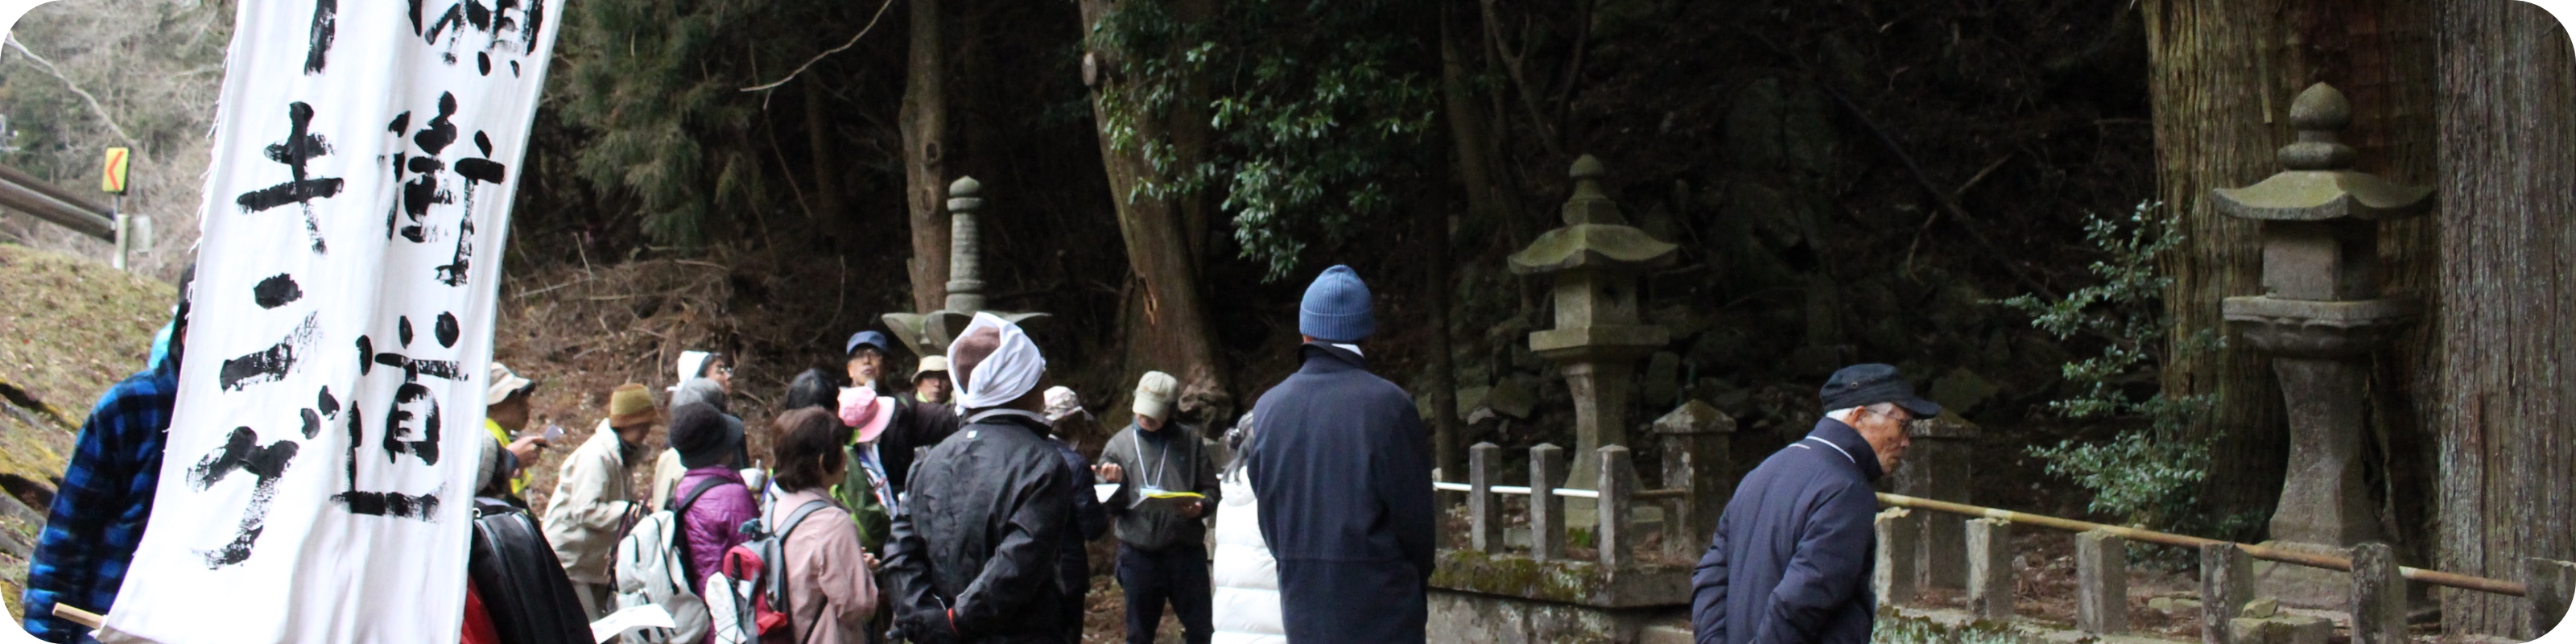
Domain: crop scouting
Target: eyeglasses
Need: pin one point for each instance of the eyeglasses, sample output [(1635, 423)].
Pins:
[(1900, 416)]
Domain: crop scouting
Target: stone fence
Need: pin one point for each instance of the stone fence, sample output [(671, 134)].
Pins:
[(2229, 612)]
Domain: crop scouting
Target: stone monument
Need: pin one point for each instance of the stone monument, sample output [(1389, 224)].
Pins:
[(1595, 259), (929, 333), (2320, 318)]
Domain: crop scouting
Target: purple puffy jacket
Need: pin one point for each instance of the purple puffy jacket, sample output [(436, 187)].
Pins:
[(714, 523)]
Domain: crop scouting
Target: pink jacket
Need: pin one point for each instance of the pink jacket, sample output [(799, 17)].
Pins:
[(831, 592)]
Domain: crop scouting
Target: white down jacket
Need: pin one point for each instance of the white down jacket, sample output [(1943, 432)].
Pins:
[(1247, 580)]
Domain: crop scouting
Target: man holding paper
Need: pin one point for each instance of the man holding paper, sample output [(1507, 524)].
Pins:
[(1167, 484)]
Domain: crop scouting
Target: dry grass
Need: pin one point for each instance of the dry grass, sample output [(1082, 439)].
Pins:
[(69, 328)]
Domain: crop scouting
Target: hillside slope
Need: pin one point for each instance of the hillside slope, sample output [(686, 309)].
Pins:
[(69, 328)]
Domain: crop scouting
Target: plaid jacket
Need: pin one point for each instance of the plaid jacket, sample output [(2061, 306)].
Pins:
[(98, 515)]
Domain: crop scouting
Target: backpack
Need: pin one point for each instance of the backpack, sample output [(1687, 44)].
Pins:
[(748, 596), (652, 563), (522, 588)]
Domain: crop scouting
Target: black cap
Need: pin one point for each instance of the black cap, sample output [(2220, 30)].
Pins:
[(1862, 385), (702, 435)]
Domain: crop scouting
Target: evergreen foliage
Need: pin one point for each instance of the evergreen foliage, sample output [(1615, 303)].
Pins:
[(1315, 116), (2149, 475)]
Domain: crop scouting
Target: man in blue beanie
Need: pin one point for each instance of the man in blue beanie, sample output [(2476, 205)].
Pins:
[(1342, 466), (1790, 562)]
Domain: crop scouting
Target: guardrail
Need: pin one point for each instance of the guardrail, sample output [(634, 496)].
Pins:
[(2226, 583)]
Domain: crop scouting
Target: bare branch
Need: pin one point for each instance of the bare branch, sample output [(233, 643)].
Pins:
[(76, 89), (854, 39)]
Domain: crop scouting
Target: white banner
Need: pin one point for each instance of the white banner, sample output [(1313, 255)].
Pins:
[(316, 485)]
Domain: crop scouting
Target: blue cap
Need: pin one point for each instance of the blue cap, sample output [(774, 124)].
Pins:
[(1336, 307), (867, 338), (1863, 385)]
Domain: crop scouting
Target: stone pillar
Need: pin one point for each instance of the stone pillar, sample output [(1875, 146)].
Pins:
[(2226, 585), (966, 247), (1937, 466), (1616, 536), (1484, 509), (2320, 318), (1990, 569), (1696, 438), (2101, 583), (1546, 509), (1893, 576), (2378, 596), (2546, 585), (1594, 259)]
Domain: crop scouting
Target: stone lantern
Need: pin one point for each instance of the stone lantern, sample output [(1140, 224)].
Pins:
[(929, 333), (2320, 318), (1595, 259)]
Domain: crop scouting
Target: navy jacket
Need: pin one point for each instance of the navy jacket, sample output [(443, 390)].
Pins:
[(1343, 469), (1791, 560)]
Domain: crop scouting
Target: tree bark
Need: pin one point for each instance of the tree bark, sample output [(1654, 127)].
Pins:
[(827, 192), (928, 142), (1484, 194), (2216, 81), (1167, 323), (2506, 289)]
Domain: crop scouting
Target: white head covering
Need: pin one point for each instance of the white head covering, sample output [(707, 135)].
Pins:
[(1005, 376), (690, 363)]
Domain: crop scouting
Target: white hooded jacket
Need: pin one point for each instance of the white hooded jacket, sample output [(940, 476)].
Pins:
[(1246, 603)]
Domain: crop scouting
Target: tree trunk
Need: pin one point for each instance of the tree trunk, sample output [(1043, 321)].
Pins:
[(1167, 321), (1484, 194), (2507, 288), (827, 184), (2216, 82), (928, 140)]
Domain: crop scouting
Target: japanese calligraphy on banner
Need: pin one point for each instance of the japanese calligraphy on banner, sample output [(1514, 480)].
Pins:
[(316, 486)]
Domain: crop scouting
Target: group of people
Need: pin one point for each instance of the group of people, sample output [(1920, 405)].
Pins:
[(958, 510)]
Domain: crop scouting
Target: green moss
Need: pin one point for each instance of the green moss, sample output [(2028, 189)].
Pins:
[(1572, 582)]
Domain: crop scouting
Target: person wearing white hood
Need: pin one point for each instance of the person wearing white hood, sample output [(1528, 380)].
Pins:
[(1246, 602), (703, 378)]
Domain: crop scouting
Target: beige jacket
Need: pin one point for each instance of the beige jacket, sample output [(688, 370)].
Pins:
[(830, 590), (590, 498), (666, 474)]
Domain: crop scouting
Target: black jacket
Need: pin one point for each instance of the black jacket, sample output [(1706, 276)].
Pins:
[(1172, 459), (975, 546), (1791, 560), (1073, 560), (1343, 469), (915, 424)]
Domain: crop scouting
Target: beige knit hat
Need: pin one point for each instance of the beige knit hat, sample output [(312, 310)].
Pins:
[(1154, 394)]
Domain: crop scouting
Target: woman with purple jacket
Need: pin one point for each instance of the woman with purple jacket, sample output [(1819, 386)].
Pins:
[(713, 519)]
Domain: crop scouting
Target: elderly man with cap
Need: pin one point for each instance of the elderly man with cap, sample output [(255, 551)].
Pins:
[(505, 414), (1162, 544), (1790, 562), (1064, 413), (991, 499), (864, 355), (1343, 470), (591, 498)]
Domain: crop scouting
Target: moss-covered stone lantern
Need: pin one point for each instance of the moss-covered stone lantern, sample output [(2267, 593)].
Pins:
[(929, 333), (1595, 259), (2320, 317)]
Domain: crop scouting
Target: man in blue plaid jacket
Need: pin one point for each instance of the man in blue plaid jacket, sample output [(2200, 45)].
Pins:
[(98, 515)]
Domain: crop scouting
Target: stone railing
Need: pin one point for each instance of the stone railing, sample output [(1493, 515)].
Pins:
[(2226, 577)]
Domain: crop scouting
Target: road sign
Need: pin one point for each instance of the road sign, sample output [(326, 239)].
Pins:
[(113, 180)]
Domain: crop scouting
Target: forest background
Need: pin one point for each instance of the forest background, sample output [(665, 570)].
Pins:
[(1855, 180)]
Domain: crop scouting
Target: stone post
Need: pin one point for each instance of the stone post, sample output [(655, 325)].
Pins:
[(2546, 585), (966, 247), (1893, 576), (1695, 439), (2378, 596), (1616, 536), (1484, 509), (2320, 318), (1546, 509), (2101, 583), (2226, 584), (1990, 569), (1938, 467), (1595, 259)]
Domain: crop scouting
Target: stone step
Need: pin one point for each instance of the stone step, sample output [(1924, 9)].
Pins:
[(1664, 634)]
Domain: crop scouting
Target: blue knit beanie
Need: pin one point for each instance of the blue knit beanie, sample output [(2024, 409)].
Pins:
[(1336, 307)]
